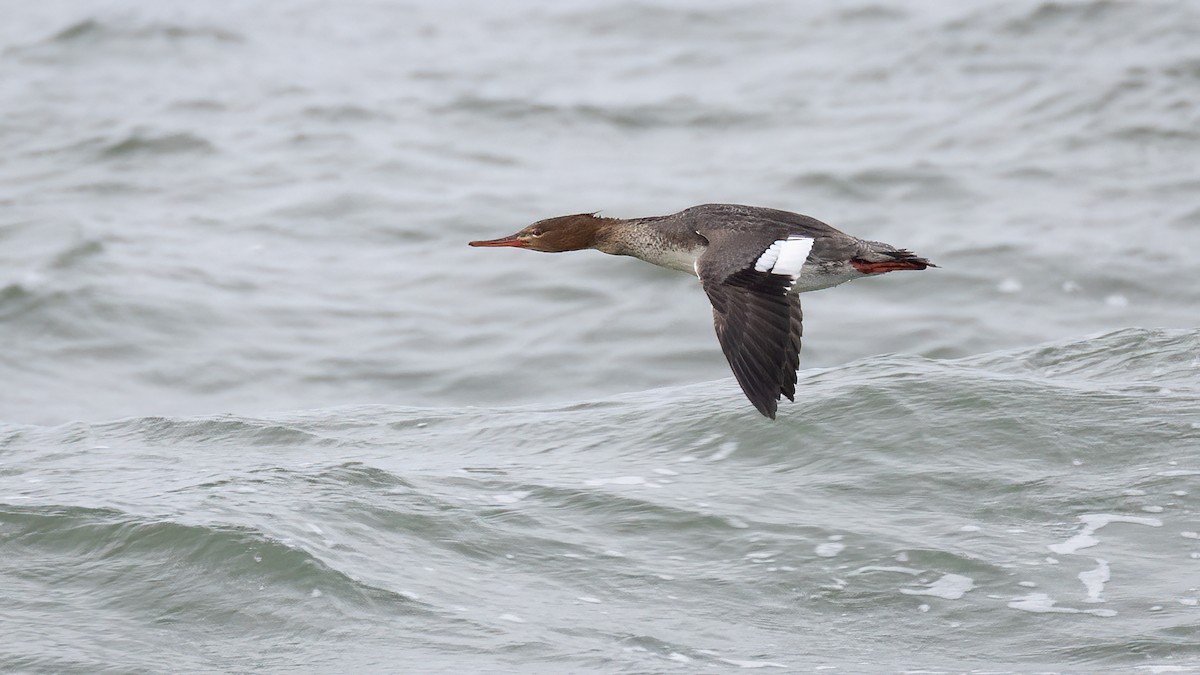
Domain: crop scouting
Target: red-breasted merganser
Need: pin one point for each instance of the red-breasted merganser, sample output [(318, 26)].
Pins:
[(752, 262)]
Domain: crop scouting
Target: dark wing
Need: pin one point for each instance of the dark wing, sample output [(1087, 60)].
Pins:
[(759, 325), (756, 220)]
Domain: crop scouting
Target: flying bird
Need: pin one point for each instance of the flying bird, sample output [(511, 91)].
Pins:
[(751, 261)]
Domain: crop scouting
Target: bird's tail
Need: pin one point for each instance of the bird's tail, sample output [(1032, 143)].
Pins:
[(880, 258)]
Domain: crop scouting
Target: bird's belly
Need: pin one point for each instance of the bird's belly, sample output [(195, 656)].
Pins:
[(683, 260), (817, 276)]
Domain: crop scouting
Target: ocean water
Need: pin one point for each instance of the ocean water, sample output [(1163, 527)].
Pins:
[(263, 410)]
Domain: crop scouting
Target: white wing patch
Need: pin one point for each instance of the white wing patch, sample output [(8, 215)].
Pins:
[(767, 260), (785, 256)]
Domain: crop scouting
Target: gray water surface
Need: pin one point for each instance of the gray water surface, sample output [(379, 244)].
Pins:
[(262, 409)]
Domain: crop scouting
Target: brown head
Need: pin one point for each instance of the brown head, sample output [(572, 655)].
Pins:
[(554, 235)]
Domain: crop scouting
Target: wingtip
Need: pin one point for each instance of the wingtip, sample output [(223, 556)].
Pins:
[(767, 408)]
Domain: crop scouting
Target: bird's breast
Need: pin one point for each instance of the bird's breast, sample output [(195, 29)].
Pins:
[(672, 257)]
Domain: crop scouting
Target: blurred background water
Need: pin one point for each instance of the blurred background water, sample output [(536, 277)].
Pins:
[(262, 410)]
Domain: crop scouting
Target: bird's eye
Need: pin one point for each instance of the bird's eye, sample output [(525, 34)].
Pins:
[(536, 233)]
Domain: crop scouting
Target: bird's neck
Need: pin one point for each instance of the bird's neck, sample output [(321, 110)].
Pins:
[(612, 236), (651, 239), (628, 236)]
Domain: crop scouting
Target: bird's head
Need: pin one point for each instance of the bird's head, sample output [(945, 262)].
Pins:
[(554, 235)]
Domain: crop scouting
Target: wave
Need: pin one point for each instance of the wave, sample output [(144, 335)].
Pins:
[(894, 485), (141, 549), (140, 143), (94, 38), (673, 113), (96, 30), (1123, 361)]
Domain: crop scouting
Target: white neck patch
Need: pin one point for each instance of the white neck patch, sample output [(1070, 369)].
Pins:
[(785, 256)]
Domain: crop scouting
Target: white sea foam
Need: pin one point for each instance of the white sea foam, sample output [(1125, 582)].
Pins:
[(725, 450), (1094, 580), (1040, 603), (829, 549), (1092, 522), (949, 587), (510, 497)]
